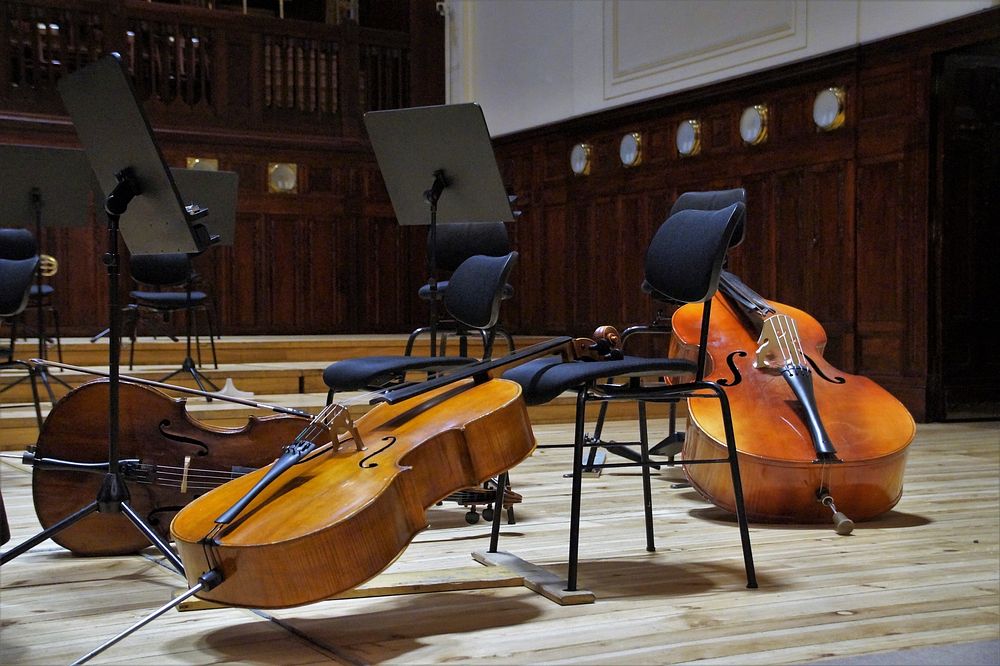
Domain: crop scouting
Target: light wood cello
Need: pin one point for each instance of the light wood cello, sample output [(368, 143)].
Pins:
[(326, 517), (814, 443)]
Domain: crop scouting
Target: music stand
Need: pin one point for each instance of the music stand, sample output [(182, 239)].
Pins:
[(447, 147), (217, 191), (53, 181), (144, 208)]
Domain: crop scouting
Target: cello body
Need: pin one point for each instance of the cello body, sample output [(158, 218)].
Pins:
[(179, 459), (345, 512), (784, 478)]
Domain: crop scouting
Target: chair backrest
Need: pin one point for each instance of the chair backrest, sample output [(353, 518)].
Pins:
[(16, 276), (162, 270), (714, 200), (457, 241), (17, 244), (476, 289), (685, 257)]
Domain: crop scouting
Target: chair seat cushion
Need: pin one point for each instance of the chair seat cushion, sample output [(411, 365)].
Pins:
[(354, 374), (544, 379), (425, 291), (168, 299)]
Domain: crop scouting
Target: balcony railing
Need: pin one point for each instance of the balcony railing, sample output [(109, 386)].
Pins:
[(190, 64)]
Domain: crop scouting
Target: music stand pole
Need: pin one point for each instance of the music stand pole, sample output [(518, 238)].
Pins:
[(36, 205), (432, 195)]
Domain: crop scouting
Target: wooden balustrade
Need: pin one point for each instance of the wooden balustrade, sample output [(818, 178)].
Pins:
[(192, 65)]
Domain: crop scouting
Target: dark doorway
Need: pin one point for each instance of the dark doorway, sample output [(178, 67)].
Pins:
[(965, 259)]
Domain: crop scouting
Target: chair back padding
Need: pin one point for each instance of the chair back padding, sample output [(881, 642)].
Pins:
[(17, 244), (457, 241), (476, 289), (714, 200), (685, 257), (16, 276), (162, 270)]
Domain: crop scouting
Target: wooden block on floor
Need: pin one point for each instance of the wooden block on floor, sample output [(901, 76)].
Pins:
[(416, 582), (536, 579)]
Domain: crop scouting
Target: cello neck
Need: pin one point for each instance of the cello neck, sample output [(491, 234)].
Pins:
[(749, 301), (479, 370)]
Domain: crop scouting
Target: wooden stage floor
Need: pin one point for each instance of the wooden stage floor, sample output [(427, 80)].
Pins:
[(924, 574)]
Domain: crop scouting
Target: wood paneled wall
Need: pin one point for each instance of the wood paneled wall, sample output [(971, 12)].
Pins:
[(838, 221)]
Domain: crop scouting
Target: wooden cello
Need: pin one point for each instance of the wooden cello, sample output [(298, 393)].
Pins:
[(807, 434), (168, 457), (325, 518)]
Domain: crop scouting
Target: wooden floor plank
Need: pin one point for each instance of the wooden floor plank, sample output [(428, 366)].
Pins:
[(926, 573)]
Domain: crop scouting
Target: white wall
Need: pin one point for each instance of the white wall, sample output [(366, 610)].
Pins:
[(532, 62)]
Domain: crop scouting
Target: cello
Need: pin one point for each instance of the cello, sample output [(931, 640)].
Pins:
[(325, 518), (168, 457), (812, 441)]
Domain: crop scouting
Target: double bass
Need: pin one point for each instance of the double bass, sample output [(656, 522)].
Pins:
[(814, 443)]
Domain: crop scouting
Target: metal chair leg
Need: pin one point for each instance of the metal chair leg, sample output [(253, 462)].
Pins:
[(647, 491), (574, 520)]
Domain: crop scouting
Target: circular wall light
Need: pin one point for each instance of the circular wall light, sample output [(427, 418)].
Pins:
[(580, 159), (688, 137), (630, 149), (829, 108), (753, 124), (282, 177)]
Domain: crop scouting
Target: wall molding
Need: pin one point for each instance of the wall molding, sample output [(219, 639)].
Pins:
[(637, 58)]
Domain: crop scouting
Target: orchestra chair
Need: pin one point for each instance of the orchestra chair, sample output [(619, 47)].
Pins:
[(683, 262), (472, 299), (21, 244), (168, 283), (16, 276), (456, 242), (671, 445)]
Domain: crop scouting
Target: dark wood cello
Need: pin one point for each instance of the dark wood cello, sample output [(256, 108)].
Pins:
[(807, 434), (168, 457)]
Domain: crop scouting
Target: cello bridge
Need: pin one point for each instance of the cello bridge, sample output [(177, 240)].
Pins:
[(779, 345), (342, 427)]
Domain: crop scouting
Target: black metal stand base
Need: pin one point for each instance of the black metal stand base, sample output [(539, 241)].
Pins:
[(189, 367), (112, 498)]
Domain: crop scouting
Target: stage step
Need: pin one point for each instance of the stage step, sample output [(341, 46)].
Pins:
[(282, 370)]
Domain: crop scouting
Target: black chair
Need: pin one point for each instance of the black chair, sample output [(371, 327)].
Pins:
[(670, 446), (171, 285), (472, 299), (456, 242), (683, 262), (21, 244), (16, 276)]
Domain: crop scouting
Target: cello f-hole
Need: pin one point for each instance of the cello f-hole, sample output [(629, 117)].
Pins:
[(182, 439), (737, 377), (364, 464), (835, 380)]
